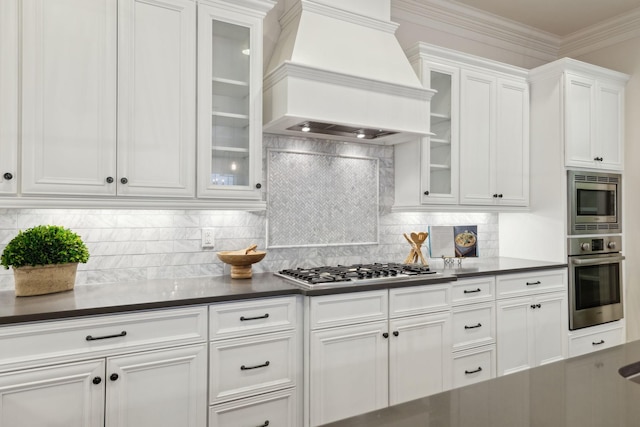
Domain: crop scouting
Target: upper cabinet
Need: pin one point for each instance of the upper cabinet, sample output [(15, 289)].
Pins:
[(9, 37), (229, 101), (594, 114), (108, 102), (478, 153)]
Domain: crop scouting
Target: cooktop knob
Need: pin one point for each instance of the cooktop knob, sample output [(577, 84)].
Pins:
[(611, 245), (585, 246)]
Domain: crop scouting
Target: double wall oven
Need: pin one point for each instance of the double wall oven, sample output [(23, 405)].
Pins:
[(593, 246)]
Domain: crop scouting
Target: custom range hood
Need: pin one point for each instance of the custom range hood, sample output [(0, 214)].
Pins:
[(338, 72)]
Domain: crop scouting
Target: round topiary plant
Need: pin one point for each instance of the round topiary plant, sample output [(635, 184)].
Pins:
[(44, 245)]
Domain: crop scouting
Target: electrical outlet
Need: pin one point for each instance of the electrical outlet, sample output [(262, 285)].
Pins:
[(207, 237)]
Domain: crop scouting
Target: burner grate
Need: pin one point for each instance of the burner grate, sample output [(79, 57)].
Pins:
[(351, 273)]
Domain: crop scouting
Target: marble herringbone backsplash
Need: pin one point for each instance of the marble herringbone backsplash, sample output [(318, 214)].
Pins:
[(131, 245)]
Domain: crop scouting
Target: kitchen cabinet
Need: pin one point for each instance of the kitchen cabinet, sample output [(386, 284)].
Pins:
[(371, 349), (589, 123), (532, 320), (599, 337), (478, 153), (255, 360), (230, 108), (128, 369), (9, 37), (141, 76)]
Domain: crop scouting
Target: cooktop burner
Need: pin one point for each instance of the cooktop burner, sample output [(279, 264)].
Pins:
[(346, 274)]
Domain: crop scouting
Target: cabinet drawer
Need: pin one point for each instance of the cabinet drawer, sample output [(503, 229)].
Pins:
[(273, 409), (235, 319), (473, 366), (251, 365), (535, 282), (467, 291), (603, 338), (345, 309), (63, 340), (474, 325), (419, 300)]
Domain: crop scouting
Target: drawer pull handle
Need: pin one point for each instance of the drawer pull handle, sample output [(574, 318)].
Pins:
[(537, 282), (106, 337), (474, 326), (473, 291), (474, 371), (265, 424), (598, 343), (244, 319), (246, 368)]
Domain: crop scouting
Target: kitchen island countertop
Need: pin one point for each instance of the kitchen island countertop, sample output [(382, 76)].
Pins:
[(165, 293), (584, 391)]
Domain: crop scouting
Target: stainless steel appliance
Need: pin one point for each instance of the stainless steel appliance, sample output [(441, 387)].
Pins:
[(595, 280), (594, 203), (330, 276)]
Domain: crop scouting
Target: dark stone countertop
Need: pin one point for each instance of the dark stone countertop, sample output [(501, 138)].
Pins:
[(585, 391), (164, 293)]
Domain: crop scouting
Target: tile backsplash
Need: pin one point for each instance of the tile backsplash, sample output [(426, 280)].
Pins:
[(131, 245)]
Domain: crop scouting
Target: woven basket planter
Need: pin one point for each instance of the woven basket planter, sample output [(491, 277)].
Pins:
[(44, 279)]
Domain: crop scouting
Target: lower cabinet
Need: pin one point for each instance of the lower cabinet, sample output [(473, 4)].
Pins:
[(531, 329), (400, 353), (108, 379), (594, 338)]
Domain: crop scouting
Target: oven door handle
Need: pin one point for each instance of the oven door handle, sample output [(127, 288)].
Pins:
[(598, 261)]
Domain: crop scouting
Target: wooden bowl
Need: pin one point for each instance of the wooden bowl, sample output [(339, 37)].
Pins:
[(241, 263)]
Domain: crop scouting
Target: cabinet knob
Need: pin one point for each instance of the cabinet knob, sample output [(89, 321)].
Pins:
[(265, 424), (426, 193), (109, 180), (495, 195), (385, 334), (8, 176), (124, 180), (396, 333), (533, 306), (114, 377), (258, 186), (500, 195), (97, 380)]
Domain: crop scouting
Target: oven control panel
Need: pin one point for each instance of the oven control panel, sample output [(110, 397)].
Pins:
[(594, 245)]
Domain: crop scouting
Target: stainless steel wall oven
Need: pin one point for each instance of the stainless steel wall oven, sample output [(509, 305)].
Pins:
[(595, 280), (594, 202)]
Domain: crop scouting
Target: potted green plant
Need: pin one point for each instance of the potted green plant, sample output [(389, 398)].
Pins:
[(44, 259)]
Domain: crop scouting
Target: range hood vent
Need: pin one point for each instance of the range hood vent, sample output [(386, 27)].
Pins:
[(341, 74)]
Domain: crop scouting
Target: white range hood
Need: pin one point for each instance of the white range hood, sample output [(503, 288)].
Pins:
[(338, 70)]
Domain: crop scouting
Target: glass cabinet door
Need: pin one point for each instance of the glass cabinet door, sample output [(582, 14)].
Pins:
[(229, 104), (440, 150), (230, 115)]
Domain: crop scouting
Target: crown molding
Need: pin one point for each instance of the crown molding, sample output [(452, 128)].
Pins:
[(601, 35), (474, 24)]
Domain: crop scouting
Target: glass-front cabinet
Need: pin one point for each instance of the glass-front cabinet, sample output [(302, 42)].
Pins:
[(229, 102), (440, 151)]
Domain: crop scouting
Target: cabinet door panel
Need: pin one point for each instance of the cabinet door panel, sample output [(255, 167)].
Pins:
[(9, 37), (512, 143), (550, 328), (156, 97), (514, 335), (477, 131), (419, 357), (349, 371), (55, 396), (68, 96), (165, 388), (610, 140), (579, 118)]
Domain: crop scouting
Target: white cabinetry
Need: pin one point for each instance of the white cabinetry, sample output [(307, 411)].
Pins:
[(9, 42), (129, 370), (590, 124), (371, 349), (230, 108), (532, 323), (478, 154), (69, 93), (588, 340), (254, 363)]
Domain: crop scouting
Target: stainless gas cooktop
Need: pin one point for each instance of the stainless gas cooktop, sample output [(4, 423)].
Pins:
[(328, 276)]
